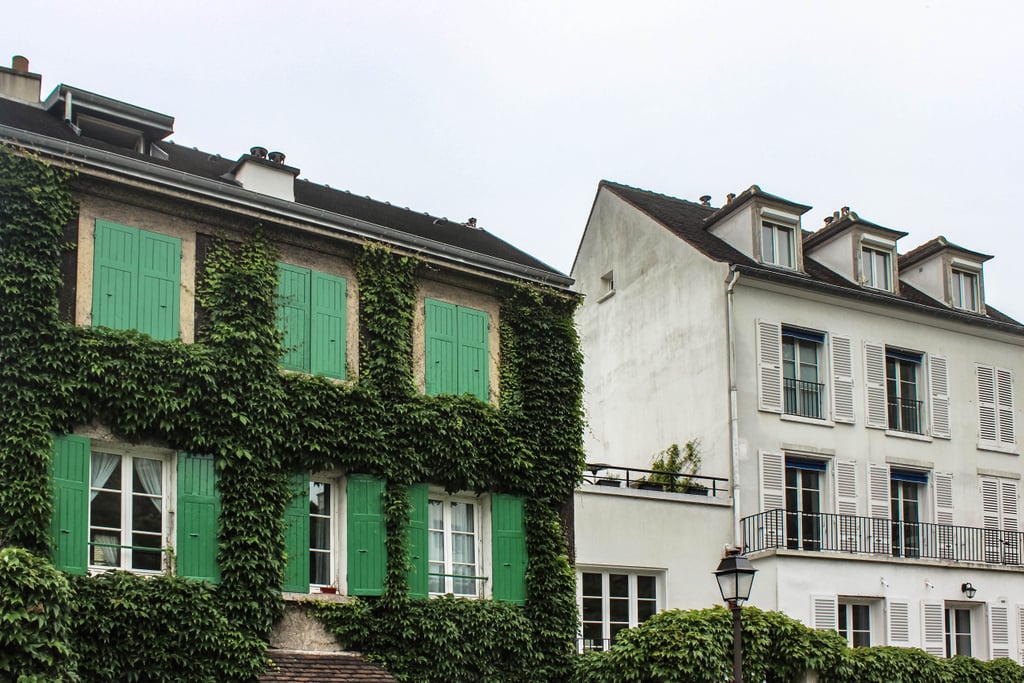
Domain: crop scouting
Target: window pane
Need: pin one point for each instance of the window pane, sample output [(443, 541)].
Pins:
[(592, 609), (145, 515), (435, 512), (463, 586), (319, 498), (147, 476), (148, 560), (105, 550), (462, 517), (618, 610), (615, 628), (785, 245), (463, 548), (591, 584), (618, 585), (645, 587), (436, 547), (768, 242), (106, 510), (593, 638), (320, 568), (105, 471), (861, 618), (319, 533), (645, 609)]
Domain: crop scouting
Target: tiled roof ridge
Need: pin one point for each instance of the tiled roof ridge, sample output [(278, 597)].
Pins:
[(706, 207)]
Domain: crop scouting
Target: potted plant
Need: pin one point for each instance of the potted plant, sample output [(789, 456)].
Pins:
[(674, 468)]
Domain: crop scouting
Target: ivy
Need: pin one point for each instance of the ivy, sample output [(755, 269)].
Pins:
[(226, 396)]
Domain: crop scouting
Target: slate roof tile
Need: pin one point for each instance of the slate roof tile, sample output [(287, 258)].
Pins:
[(322, 667)]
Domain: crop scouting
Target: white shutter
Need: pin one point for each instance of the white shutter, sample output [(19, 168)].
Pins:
[(938, 382), (987, 429), (875, 412), (1004, 406), (998, 631), (1020, 632), (898, 617), (769, 366), (1010, 521), (825, 612), (846, 487), (943, 498), (933, 627), (990, 515), (842, 379), (878, 490), (773, 497)]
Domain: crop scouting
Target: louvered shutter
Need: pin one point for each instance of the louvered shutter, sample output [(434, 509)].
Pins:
[(846, 505), (115, 276), (198, 512), (441, 322), (508, 549), (367, 553), (472, 353), (293, 293), (898, 618), (296, 536), (1008, 504), (327, 325), (987, 421), (1004, 406), (419, 538), (938, 383), (769, 366), (824, 612), (1020, 633), (943, 497), (773, 500), (941, 543), (159, 285), (69, 530), (998, 631), (842, 379), (933, 627), (991, 516), (879, 508), (876, 414)]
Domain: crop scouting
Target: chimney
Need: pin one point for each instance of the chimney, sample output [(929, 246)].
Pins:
[(266, 173), (471, 223), (277, 157), (729, 197), (846, 211), (705, 200), (829, 219), (18, 83)]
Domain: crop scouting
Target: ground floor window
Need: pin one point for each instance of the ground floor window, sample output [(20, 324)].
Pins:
[(454, 557), (958, 631), (127, 511), (321, 534), (855, 623), (612, 601)]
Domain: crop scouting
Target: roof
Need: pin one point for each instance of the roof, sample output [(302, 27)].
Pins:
[(689, 221), (322, 667), (843, 221), (932, 247), (195, 163)]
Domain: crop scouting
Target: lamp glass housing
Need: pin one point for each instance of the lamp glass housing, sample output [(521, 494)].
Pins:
[(735, 577)]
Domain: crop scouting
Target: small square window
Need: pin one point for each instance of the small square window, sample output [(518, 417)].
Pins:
[(876, 268), (607, 286), (964, 290), (778, 244)]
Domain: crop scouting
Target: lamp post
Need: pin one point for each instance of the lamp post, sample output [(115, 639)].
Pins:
[(735, 577)]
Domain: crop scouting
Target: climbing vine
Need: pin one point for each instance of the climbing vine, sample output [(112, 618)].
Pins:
[(225, 396)]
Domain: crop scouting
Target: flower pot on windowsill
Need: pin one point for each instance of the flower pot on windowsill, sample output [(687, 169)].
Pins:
[(697, 489), (650, 486), (617, 483), (330, 590)]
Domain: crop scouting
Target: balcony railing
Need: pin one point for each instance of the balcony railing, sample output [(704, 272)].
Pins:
[(802, 398), (905, 415), (600, 474), (816, 532)]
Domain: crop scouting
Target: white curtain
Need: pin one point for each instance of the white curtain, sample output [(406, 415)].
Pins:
[(149, 472), (102, 465)]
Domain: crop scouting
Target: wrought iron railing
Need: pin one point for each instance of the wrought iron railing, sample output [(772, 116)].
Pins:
[(593, 644), (802, 398), (816, 532), (600, 474), (905, 415)]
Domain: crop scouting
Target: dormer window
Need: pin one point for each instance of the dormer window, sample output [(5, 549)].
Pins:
[(876, 267), (778, 244), (964, 290)]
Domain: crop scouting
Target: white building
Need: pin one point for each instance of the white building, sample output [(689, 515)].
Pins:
[(860, 402)]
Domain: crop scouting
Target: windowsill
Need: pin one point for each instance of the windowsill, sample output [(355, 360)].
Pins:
[(808, 420), (314, 597), (607, 295), (996, 448), (332, 380), (908, 435)]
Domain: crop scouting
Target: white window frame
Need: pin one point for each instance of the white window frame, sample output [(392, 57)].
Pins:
[(605, 573), (607, 286), (335, 522), (822, 370), (845, 609), (127, 455), (481, 561), (868, 271), (957, 277), (949, 622), (774, 226)]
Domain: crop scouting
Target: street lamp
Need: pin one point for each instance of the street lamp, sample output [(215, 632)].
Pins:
[(735, 577)]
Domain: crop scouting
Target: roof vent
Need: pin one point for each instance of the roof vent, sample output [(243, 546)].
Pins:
[(705, 200), (471, 223), (277, 157), (258, 152), (19, 64)]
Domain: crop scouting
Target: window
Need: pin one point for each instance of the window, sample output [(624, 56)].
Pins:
[(906, 496), (111, 509), (136, 280), (995, 408), (803, 503), (311, 317), (612, 601), (958, 631), (964, 290), (454, 556), (1001, 520), (456, 350), (801, 359), (778, 244), (321, 534), (855, 623), (607, 286), (902, 375), (876, 268)]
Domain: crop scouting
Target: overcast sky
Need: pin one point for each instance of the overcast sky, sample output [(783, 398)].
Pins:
[(909, 112)]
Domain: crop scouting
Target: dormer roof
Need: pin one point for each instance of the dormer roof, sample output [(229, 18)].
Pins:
[(753, 192), (936, 246), (844, 220)]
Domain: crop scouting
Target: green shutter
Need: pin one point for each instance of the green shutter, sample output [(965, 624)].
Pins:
[(473, 375), (296, 536), (115, 276), (69, 531), (327, 335), (419, 535), (441, 322), (367, 554), (159, 285), (293, 316), (508, 549), (198, 513)]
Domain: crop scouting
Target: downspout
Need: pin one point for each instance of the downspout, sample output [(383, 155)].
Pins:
[(734, 436)]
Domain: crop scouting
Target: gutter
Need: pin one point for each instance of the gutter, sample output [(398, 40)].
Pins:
[(204, 187), (734, 434)]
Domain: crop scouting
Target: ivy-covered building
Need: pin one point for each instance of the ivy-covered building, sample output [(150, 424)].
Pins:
[(225, 385)]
